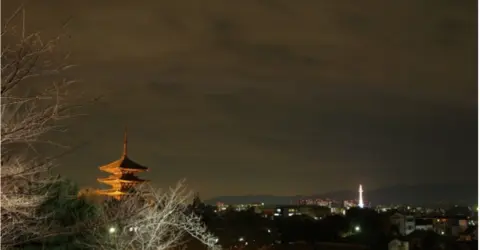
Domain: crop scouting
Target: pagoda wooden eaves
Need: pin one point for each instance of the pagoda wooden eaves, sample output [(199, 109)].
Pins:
[(123, 164), (114, 179), (122, 177)]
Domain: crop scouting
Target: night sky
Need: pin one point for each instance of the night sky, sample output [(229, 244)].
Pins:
[(273, 96)]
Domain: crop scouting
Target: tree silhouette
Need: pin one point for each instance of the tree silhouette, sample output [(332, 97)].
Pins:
[(333, 227), (67, 217), (373, 227)]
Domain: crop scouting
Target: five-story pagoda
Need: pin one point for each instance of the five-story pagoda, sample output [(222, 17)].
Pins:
[(123, 176)]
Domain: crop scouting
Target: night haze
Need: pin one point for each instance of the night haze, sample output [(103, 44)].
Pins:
[(272, 97)]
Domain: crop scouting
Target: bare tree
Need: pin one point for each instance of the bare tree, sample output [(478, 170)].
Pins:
[(150, 219), (33, 100)]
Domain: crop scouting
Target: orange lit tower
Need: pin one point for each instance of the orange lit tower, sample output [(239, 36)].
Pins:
[(123, 173)]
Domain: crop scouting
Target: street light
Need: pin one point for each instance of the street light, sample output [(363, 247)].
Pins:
[(111, 230), (357, 229)]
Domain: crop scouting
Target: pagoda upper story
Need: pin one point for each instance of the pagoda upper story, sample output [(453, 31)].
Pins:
[(122, 178)]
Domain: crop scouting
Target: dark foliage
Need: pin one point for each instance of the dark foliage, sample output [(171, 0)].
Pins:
[(68, 218)]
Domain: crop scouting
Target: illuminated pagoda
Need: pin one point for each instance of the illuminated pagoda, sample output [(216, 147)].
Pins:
[(123, 176)]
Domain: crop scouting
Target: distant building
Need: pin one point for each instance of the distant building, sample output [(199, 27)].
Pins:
[(315, 212), (458, 226), (469, 235), (334, 206), (440, 225), (354, 203), (451, 226), (257, 207), (286, 211), (404, 223), (269, 211), (221, 206), (444, 225), (424, 224), (349, 203), (337, 210), (382, 208), (317, 202)]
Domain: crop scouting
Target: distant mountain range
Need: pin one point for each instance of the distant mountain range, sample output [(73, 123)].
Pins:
[(424, 194)]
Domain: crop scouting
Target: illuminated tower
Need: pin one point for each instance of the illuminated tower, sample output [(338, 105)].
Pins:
[(123, 173), (360, 196)]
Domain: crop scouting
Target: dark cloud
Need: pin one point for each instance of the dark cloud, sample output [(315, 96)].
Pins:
[(274, 96)]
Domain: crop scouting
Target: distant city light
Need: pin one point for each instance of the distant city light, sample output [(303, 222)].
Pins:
[(357, 229), (241, 239)]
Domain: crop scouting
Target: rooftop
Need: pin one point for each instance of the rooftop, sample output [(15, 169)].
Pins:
[(124, 163), (124, 178)]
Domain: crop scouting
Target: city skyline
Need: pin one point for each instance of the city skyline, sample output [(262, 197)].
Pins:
[(271, 96)]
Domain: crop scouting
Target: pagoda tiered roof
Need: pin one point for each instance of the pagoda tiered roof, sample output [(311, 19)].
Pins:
[(124, 164), (111, 192), (122, 178)]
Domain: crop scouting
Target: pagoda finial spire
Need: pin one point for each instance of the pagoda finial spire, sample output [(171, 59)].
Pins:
[(125, 142)]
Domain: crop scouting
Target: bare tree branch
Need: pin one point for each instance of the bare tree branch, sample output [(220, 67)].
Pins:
[(150, 219), (34, 99)]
